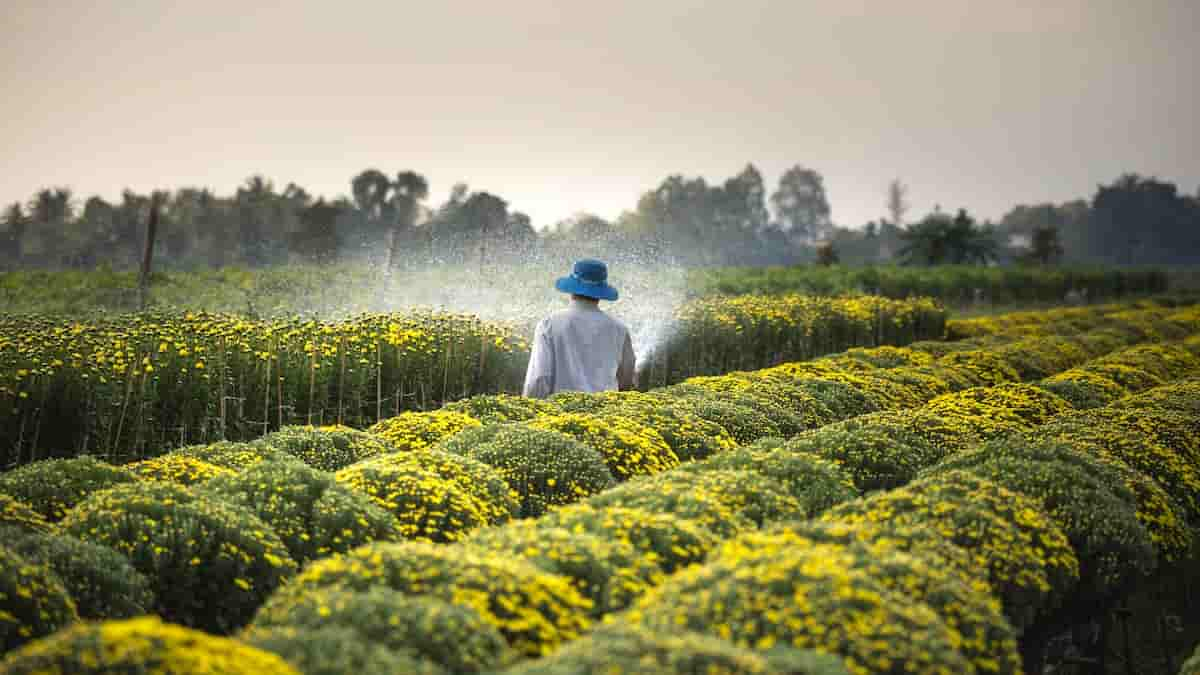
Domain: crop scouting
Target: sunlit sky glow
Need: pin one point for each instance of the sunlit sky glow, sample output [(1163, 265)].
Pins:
[(561, 106)]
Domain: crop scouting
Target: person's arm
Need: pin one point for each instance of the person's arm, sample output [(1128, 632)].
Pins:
[(627, 370), (539, 376)]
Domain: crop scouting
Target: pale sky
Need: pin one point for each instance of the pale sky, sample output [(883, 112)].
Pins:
[(564, 106)]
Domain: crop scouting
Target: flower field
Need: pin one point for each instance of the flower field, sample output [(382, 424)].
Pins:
[(133, 386), (968, 506)]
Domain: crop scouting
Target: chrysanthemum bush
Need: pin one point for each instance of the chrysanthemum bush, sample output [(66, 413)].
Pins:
[(1181, 397), (501, 408), (608, 572), (141, 645), (18, 514), (1164, 361), (740, 392), (533, 610), (485, 483), (54, 486), (1096, 513), (209, 563), (179, 469), (745, 424), (313, 514), (1133, 379), (33, 601), (416, 430), (668, 541), (1031, 565), (1105, 435), (985, 421), (452, 636), (815, 482), (874, 457), (629, 449), (724, 501), (688, 435), (812, 597), (636, 650), (545, 468), (334, 651), (101, 582), (974, 616), (231, 454), (327, 448), (425, 505), (1083, 389), (989, 368), (1028, 403)]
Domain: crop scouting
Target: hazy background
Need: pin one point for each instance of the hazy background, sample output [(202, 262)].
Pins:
[(568, 106)]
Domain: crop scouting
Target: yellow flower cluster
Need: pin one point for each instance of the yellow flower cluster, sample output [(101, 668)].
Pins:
[(14, 513), (427, 506), (416, 430), (33, 601), (630, 449), (142, 645), (52, 487), (175, 468)]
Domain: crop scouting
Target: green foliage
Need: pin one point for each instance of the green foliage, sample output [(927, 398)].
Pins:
[(425, 505), (745, 424), (483, 482), (629, 449), (842, 399), (232, 455), (15, 513), (535, 611), (33, 601), (689, 436), (635, 650), (327, 448), (1030, 564), (670, 542), (313, 514), (140, 645), (176, 468), (608, 572), (816, 483), (501, 408), (546, 468), (54, 486), (722, 501), (334, 651), (811, 598), (210, 564), (99, 580), (873, 456), (452, 636)]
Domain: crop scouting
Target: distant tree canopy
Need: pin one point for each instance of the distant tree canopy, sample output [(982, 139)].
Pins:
[(385, 218)]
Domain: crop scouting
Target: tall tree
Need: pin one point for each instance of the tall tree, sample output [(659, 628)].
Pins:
[(255, 204), (484, 214), (897, 202), (1044, 245), (15, 224), (409, 190), (801, 205), (939, 239)]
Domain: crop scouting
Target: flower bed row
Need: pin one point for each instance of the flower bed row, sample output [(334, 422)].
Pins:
[(254, 509)]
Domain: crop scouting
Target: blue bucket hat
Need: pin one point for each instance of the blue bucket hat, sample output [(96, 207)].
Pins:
[(588, 278)]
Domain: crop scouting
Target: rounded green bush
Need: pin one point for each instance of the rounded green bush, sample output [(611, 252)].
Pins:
[(688, 436), (327, 448), (811, 598), (232, 454), (335, 651), (451, 636), (99, 580), (18, 514), (1032, 404), (725, 501), (178, 469), (533, 610), (416, 430), (635, 650), (484, 482), (140, 645), (1081, 394), (54, 486), (744, 423), (981, 632), (815, 482), (33, 601), (1113, 547), (1031, 565), (629, 449), (730, 390), (545, 468), (1181, 397), (313, 514), (668, 541), (501, 408), (874, 454), (841, 398), (425, 505), (608, 572), (210, 564)]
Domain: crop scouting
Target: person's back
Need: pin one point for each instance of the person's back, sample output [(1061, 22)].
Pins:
[(581, 348)]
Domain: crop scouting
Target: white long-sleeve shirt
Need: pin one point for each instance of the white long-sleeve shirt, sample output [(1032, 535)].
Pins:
[(579, 348)]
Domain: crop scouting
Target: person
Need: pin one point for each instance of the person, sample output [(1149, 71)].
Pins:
[(581, 348)]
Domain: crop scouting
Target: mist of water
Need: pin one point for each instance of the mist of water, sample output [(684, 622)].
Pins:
[(522, 292)]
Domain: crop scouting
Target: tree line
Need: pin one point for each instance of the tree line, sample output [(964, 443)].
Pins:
[(387, 218)]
